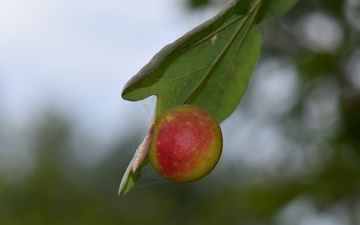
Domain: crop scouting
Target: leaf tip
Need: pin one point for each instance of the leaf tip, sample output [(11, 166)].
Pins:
[(124, 181)]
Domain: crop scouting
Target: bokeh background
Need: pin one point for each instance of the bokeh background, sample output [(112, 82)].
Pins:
[(292, 148)]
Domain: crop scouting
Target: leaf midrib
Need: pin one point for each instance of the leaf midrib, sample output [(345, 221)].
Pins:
[(212, 67)]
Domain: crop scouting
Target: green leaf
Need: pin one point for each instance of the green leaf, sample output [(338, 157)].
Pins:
[(209, 66), (128, 180), (273, 8)]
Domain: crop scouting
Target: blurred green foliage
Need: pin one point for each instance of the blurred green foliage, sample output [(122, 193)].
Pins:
[(198, 3), (61, 190)]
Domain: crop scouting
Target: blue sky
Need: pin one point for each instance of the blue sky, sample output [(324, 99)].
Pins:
[(76, 56)]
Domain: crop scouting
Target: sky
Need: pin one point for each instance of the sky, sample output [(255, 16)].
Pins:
[(76, 56)]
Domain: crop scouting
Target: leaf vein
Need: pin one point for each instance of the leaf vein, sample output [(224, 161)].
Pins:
[(208, 73)]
